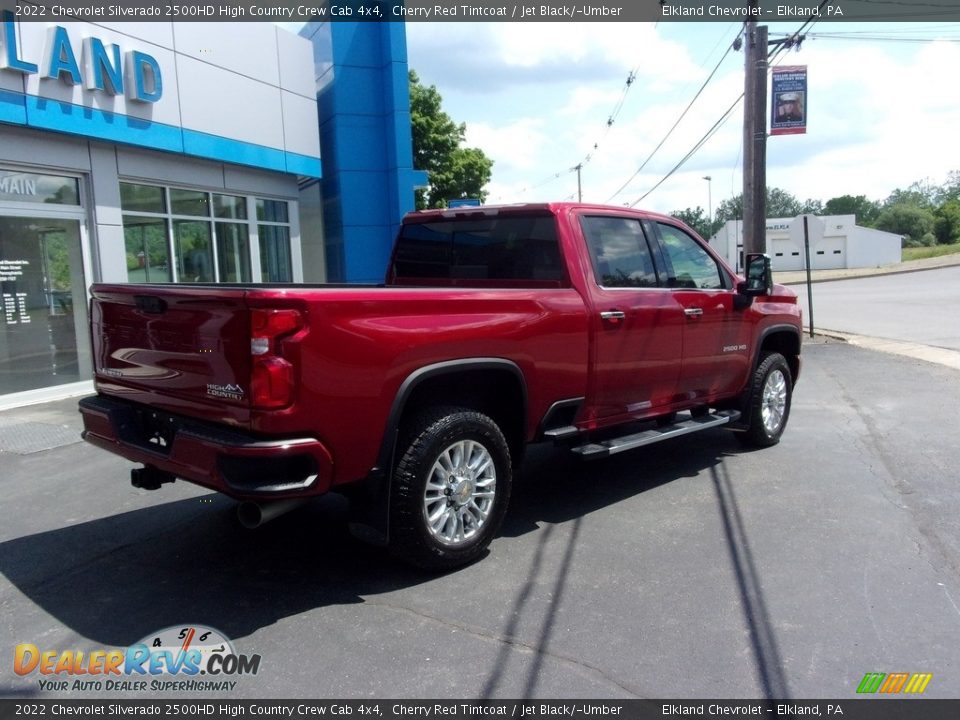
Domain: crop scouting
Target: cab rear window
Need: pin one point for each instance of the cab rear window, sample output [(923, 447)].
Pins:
[(482, 252)]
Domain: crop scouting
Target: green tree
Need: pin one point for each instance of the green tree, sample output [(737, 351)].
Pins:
[(454, 171), (780, 204), (920, 194), (730, 209), (950, 190), (947, 222), (697, 219), (866, 211), (463, 175), (916, 224)]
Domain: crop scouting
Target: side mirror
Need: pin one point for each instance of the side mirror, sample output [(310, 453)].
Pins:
[(759, 279)]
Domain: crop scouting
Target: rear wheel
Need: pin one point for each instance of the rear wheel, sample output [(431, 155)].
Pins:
[(451, 488), (771, 391)]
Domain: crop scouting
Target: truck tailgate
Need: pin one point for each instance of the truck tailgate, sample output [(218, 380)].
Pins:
[(181, 349)]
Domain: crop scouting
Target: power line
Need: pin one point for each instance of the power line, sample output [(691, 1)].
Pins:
[(700, 143), (933, 28), (880, 38), (795, 39), (674, 127), (611, 119)]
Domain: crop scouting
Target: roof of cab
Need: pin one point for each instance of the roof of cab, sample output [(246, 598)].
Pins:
[(554, 208)]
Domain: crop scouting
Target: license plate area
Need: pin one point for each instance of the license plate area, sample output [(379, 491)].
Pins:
[(152, 430)]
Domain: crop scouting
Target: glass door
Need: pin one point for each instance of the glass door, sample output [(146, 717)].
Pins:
[(43, 308)]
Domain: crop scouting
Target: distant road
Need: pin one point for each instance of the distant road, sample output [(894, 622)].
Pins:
[(921, 307)]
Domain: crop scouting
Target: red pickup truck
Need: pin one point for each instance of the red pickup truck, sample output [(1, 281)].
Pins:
[(597, 328)]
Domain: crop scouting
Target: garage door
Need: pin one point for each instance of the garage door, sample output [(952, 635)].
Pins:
[(785, 255), (829, 253)]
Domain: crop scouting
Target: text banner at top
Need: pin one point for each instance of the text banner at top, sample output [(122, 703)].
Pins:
[(763, 11), (463, 709)]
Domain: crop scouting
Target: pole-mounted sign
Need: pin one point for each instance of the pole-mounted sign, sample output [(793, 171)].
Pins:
[(788, 100)]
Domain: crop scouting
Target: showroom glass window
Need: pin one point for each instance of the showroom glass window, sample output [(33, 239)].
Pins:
[(273, 231), (195, 236)]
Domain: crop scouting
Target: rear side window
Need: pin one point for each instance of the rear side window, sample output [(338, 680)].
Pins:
[(619, 252), (481, 251)]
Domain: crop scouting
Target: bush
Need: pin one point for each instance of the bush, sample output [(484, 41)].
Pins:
[(907, 220), (927, 240)]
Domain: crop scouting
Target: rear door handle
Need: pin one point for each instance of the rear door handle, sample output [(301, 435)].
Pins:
[(693, 312), (614, 315)]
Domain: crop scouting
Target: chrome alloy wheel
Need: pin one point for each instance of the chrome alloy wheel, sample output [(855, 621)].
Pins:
[(774, 401), (459, 493)]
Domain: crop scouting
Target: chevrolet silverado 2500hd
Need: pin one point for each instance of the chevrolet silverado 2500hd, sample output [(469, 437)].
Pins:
[(597, 328)]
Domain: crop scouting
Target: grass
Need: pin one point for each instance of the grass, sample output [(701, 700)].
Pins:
[(919, 253)]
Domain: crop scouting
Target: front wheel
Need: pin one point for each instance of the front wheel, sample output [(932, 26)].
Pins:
[(451, 488), (771, 390)]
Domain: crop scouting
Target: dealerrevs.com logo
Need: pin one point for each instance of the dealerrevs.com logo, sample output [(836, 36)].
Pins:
[(180, 658)]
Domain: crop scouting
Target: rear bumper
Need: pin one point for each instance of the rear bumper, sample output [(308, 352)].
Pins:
[(236, 463)]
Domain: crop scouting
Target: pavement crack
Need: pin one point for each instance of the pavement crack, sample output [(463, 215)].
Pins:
[(577, 664), (872, 444), (949, 597)]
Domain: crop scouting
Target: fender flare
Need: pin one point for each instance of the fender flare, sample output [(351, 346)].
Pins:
[(370, 519), (448, 367), (772, 330)]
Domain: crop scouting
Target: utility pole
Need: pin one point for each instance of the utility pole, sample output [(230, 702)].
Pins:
[(578, 167), (755, 138)]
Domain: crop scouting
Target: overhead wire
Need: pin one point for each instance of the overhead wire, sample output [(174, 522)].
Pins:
[(700, 143), (772, 57), (933, 28), (609, 123), (878, 38), (611, 119), (675, 124)]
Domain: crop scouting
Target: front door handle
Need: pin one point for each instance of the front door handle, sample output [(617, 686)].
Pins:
[(693, 312), (615, 315)]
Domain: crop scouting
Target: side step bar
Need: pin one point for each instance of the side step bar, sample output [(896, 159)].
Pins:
[(561, 433), (605, 448)]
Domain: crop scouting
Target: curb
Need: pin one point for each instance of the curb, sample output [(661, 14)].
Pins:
[(916, 351)]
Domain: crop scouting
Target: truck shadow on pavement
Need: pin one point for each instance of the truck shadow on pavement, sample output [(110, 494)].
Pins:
[(116, 579), (588, 486)]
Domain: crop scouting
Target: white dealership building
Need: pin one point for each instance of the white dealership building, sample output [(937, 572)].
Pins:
[(187, 152)]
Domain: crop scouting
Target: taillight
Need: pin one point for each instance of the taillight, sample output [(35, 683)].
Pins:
[(272, 381)]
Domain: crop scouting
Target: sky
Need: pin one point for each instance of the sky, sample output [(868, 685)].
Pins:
[(537, 97)]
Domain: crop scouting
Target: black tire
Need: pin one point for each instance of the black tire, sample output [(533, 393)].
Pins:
[(470, 509), (768, 403)]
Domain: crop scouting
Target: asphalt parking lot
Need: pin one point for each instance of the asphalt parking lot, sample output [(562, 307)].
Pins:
[(688, 569)]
